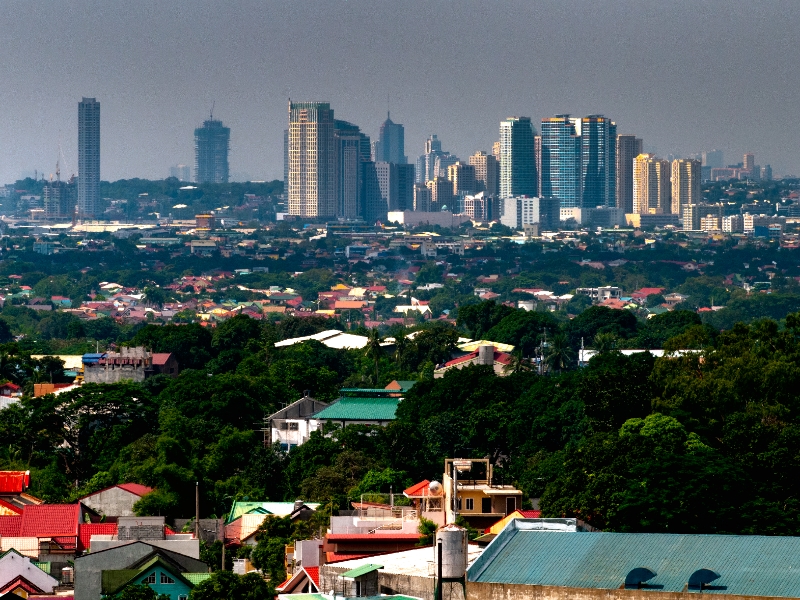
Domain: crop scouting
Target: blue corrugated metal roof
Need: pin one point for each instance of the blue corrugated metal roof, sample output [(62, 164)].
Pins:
[(748, 565), (92, 357)]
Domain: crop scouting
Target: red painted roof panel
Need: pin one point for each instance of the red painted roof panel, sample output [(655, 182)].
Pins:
[(10, 526), (14, 482), (50, 520)]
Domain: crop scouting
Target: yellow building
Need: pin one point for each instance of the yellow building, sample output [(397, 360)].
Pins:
[(685, 184), (471, 493), (651, 185)]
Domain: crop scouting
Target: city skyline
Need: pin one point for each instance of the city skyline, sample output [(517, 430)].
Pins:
[(723, 59)]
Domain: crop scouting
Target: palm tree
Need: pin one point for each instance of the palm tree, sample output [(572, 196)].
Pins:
[(604, 342), (400, 346), (517, 363), (559, 353), (374, 349)]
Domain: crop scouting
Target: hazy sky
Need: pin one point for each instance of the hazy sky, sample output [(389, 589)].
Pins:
[(684, 75)]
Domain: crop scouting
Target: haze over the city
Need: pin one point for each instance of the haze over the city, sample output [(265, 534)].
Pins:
[(684, 76)]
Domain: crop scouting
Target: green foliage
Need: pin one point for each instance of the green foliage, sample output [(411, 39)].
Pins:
[(224, 585)]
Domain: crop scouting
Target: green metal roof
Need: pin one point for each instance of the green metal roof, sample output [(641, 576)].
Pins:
[(362, 570), (44, 566), (196, 578), (406, 385), (747, 565), (360, 409), (280, 509), (373, 391)]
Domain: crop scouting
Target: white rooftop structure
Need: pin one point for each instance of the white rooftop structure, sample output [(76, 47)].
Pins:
[(332, 338)]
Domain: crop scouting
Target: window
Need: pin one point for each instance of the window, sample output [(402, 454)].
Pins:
[(293, 426), (183, 597), (470, 504), (149, 579), (166, 578)]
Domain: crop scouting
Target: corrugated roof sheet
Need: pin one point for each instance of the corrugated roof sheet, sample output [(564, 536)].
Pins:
[(196, 578), (361, 409), (10, 526), (135, 488), (87, 530), (362, 570), (50, 520), (13, 482), (748, 565)]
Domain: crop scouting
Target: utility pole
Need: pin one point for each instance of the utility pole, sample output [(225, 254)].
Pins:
[(197, 509), (223, 543)]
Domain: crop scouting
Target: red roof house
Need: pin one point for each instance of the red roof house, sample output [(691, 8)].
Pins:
[(14, 482)]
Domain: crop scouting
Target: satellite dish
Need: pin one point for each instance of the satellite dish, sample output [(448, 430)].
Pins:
[(701, 578), (435, 488), (637, 577)]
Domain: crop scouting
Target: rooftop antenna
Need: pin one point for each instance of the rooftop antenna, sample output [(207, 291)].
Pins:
[(211, 117), (388, 107)]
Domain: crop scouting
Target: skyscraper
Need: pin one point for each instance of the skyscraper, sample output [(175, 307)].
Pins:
[(352, 151), (685, 184), (517, 160), (487, 172), (89, 158), (396, 183), (628, 148), (561, 160), (434, 162), (713, 159), (598, 161), (463, 177), (312, 160), (390, 146), (651, 186), (211, 144)]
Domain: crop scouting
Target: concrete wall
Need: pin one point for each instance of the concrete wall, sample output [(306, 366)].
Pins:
[(501, 591), (113, 502), (388, 583), (140, 528), (106, 374)]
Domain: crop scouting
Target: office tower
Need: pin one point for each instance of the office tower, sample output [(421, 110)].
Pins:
[(211, 145), (422, 198), (181, 172), (685, 184), (487, 172), (598, 161), (89, 158), (351, 148), (561, 160), (766, 173), (628, 148), (537, 159), (59, 198), (441, 194), (463, 178), (651, 186), (478, 207), (434, 162), (521, 211), (749, 162), (390, 145), (312, 160), (396, 183), (374, 206), (517, 160), (713, 159)]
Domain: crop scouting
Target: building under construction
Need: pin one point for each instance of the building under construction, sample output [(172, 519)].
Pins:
[(211, 145), (59, 199)]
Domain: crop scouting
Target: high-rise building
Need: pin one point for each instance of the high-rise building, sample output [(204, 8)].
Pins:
[(598, 161), (89, 158), (537, 159), (521, 211), (685, 184), (691, 217), (390, 145), (651, 186), (517, 160), (396, 183), (211, 145), (441, 194), (749, 162), (352, 150), (463, 178), (181, 172), (713, 159), (434, 162), (561, 160), (487, 172), (422, 197), (628, 148), (59, 199), (312, 160)]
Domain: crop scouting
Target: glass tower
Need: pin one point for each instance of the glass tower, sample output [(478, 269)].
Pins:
[(561, 160), (89, 158), (517, 158), (598, 161)]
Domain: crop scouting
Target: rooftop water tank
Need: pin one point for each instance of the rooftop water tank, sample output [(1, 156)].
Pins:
[(454, 551)]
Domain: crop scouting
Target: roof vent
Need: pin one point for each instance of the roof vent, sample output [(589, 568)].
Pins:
[(637, 578), (699, 580)]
